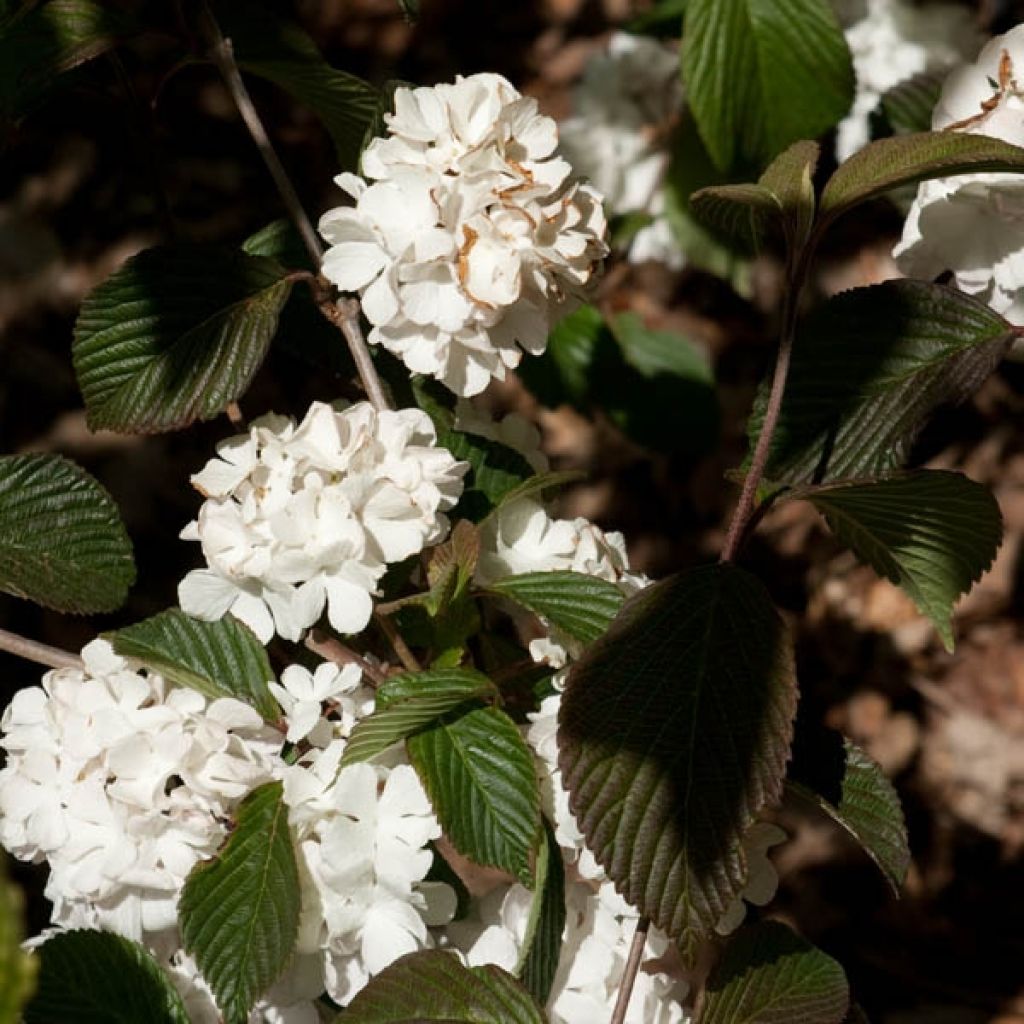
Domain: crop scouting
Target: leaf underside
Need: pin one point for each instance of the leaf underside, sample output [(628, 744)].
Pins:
[(673, 734)]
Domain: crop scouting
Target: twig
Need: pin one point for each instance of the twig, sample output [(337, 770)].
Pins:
[(224, 57), (344, 313), (741, 517), (332, 649), (42, 654), (636, 952), (233, 411), (405, 656)]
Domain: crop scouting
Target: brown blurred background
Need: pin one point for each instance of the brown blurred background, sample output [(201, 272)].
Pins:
[(100, 172)]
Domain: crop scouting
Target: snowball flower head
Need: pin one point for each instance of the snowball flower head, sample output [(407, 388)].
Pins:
[(122, 784), (893, 40), (468, 239), (624, 109), (302, 516), (974, 224)]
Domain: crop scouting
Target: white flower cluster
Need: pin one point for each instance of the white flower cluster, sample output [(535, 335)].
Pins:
[(122, 784), (302, 516), (468, 238), (624, 109), (973, 224), (893, 40)]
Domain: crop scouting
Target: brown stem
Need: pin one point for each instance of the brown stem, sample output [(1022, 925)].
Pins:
[(741, 517), (636, 952), (332, 649), (233, 411), (405, 656), (42, 654)]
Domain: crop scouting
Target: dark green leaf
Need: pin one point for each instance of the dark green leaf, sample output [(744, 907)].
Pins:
[(907, 159), (239, 912), (581, 606), (856, 1016), (664, 18), (536, 486), (868, 370), (495, 470), (852, 789), (280, 51), (385, 105), (769, 975), (88, 977), (219, 659), (175, 335), (451, 567), (432, 987), (790, 178), (412, 701), (907, 108), (302, 330), (48, 39), (542, 941), (761, 76), (62, 543), (674, 733), (745, 213), (410, 8), (931, 532), (479, 775), (17, 968)]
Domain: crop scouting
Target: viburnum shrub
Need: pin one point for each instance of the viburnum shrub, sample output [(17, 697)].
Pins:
[(495, 774)]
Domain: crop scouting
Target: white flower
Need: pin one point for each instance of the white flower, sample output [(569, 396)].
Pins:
[(468, 239), (762, 878), (624, 109), (299, 517), (122, 784), (893, 40), (302, 695), (973, 224)]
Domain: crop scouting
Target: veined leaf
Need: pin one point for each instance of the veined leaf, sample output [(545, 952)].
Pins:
[(536, 486), (581, 606), (239, 912), (281, 52), (673, 734), (907, 159), (175, 335), (219, 659), (769, 975), (479, 775), (62, 542), (907, 107), (496, 470), (744, 213), (17, 968), (410, 702), (931, 532), (90, 977), (851, 788), (542, 942), (46, 39), (868, 370), (302, 330), (759, 76), (790, 177), (432, 987)]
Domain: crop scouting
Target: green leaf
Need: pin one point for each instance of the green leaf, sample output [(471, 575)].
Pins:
[(536, 486), (410, 8), (542, 941), (495, 471), (664, 18), (432, 987), (790, 178), (88, 977), (907, 159), (931, 532), (769, 975), (302, 330), (175, 335), (674, 733), (281, 52), (760, 76), (907, 107), (48, 39), (856, 1016), (562, 373), (409, 702), (869, 368), (581, 606), (479, 775), (219, 659), (239, 912), (744, 213), (17, 968), (62, 542), (851, 788)]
